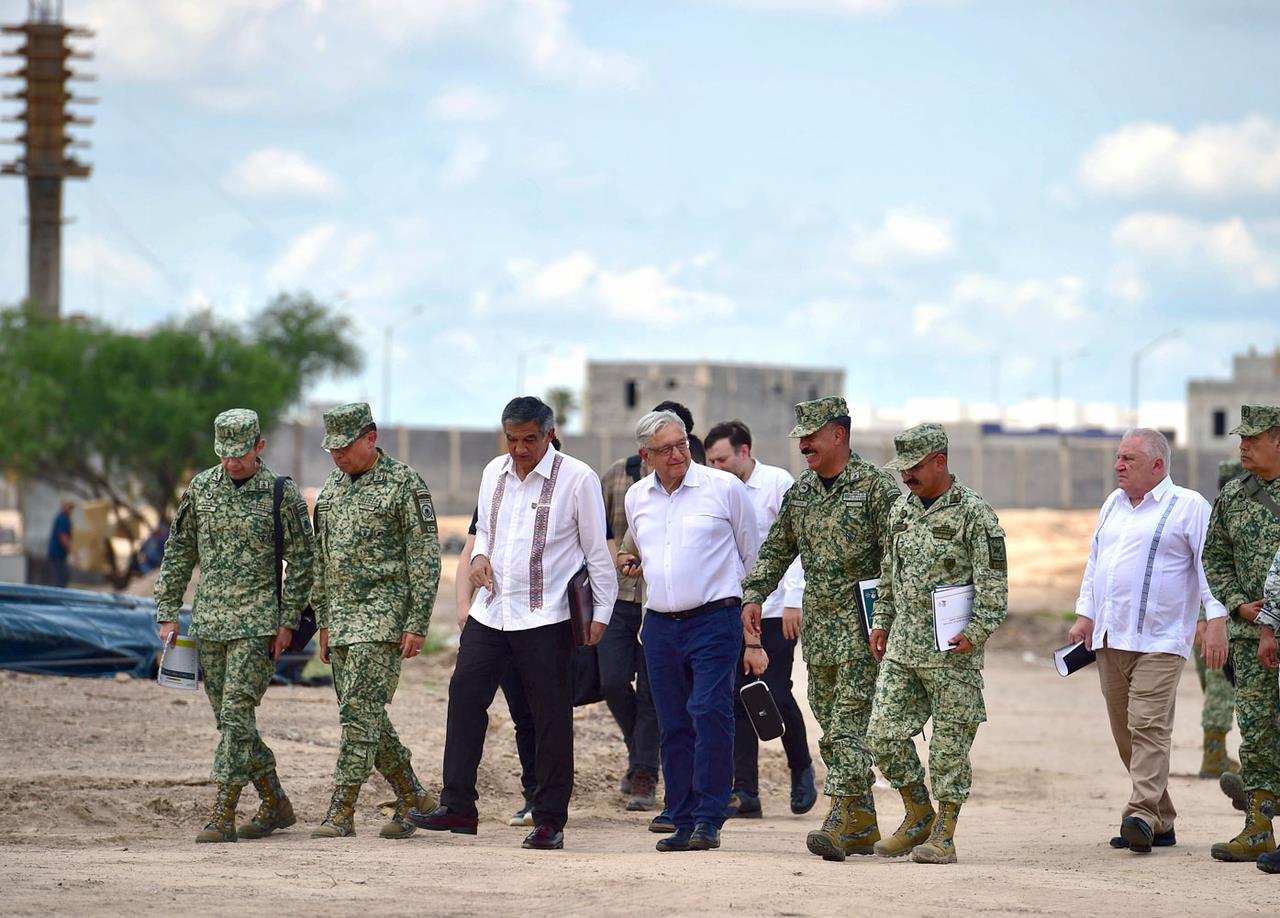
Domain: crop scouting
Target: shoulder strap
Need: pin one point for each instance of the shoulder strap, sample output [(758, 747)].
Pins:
[(277, 533), (633, 466), (1253, 488)]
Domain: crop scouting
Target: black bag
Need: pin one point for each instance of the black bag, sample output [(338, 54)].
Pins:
[(306, 629), (762, 710), (584, 676)]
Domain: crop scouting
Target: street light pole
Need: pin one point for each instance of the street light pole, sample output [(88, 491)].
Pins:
[(1057, 378), (1136, 366)]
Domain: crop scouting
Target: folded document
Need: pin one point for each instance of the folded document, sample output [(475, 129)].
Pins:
[(952, 612)]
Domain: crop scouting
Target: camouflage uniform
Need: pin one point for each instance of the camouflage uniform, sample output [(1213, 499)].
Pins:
[(839, 535), (378, 570), (1219, 694), (957, 540), (228, 530)]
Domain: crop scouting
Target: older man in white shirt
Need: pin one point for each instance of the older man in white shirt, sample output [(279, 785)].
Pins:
[(541, 516), (1142, 591), (696, 533)]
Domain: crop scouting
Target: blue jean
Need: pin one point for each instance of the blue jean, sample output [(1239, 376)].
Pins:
[(691, 677)]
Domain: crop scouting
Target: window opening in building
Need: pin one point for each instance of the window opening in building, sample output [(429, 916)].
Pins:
[(632, 393), (1219, 423)]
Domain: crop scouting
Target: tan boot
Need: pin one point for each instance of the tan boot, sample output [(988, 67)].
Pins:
[(410, 795), (222, 824), (850, 828), (341, 819), (1233, 786), (1216, 762), (915, 825), (1256, 837), (275, 811), (940, 847)]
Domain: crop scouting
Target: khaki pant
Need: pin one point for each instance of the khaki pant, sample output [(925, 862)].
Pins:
[(1140, 690)]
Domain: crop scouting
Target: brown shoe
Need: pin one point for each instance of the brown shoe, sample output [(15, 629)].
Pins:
[(644, 792), (544, 838), (442, 820)]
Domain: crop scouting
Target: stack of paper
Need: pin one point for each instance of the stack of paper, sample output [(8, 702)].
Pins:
[(952, 610)]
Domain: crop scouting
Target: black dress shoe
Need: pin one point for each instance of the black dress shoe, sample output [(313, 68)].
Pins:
[(442, 820), (1137, 833), (705, 837), (1159, 840), (804, 793), (662, 823), (743, 806), (676, 841), (544, 838)]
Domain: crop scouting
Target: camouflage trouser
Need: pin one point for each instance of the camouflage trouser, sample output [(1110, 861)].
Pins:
[(236, 676), (1258, 716), (840, 697), (1219, 697), (905, 698), (365, 677)]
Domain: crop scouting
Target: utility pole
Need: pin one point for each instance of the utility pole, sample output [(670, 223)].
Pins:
[(45, 161)]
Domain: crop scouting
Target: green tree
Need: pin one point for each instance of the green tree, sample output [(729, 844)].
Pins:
[(563, 402), (128, 417)]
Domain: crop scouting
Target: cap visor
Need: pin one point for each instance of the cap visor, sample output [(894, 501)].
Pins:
[(801, 431), (332, 442), (229, 450), (1247, 430)]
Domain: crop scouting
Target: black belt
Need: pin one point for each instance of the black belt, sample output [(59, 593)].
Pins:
[(712, 606)]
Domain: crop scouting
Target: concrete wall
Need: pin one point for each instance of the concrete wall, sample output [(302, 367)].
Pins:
[(1255, 380)]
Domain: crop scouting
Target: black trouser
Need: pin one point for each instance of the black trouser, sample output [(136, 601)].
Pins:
[(746, 748), (621, 659), (541, 656), (522, 719)]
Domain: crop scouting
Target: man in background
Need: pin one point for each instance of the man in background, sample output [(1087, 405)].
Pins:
[(60, 544)]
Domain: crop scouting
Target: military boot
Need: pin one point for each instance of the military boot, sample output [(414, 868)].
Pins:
[(222, 824), (1216, 762), (915, 825), (275, 811), (1233, 786), (1256, 837), (410, 795), (940, 847), (850, 828), (341, 819)]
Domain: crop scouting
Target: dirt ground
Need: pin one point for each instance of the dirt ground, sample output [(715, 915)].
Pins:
[(106, 785)]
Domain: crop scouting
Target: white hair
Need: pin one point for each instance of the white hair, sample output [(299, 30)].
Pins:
[(1154, 443), (653, 422)]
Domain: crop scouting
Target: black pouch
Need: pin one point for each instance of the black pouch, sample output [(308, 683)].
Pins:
[(761, 709)]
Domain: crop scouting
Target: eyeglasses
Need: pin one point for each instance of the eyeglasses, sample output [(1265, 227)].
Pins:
[(667, 451)]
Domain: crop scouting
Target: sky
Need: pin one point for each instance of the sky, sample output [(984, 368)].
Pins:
[(945, 198)]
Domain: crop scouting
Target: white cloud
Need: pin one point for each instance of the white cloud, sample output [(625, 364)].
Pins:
[(836, 7), (97, 258), (1127, 283), (903, 237), (553, 51), (1213, 161), (369, 268), (461, 340), (465, 162), (231, 100), (1059, 299), (1229, 247), (275, 173), (465, 103)]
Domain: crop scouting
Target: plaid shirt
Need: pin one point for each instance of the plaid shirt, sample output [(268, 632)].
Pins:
[(615, 482)]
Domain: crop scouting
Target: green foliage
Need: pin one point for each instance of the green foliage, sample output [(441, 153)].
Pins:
[(129, 417), (563, 402)]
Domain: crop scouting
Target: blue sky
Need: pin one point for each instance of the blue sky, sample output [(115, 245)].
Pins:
[(915, 191)]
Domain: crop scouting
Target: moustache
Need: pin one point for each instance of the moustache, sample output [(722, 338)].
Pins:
[(807, 451), (910, 481)]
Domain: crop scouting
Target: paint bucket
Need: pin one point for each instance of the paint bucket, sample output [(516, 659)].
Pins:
[(180, 664)]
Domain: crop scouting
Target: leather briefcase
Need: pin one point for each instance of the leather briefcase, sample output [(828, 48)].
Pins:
[(762, 710), (581, 610)]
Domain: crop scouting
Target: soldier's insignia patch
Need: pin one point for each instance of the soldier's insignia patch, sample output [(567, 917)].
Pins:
[(426, 512), (205, 506), (899, 526), (944, 532), (857, 498), (303, 517), (995, 548)]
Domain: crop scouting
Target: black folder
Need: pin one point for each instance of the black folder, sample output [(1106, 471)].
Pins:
[(762, 710)]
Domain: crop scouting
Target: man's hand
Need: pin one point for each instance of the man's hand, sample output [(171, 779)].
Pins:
[(1249, 610), (1214, 647), (961, 644), (791, 623), (755, 661), (323, 637), (1082, 630), (168, 633), (595, 633), (463, 613), (751, 621), (629, 566), (1267, 648), (1199, 638), (410, 644), (281, 642), (879, 641), (481, 573)]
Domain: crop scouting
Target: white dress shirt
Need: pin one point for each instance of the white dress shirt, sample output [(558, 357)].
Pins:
[(766, 486), (1144, 583), (696, 543), (536, 534)]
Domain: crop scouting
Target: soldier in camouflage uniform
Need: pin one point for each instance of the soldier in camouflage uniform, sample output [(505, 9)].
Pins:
[(941, 534), (378, 567), (225, 523), (1244, 535), (835, 517)]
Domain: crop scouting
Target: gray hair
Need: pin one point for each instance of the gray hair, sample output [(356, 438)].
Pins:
[(653, 422), (1154, 443), (529, 408)]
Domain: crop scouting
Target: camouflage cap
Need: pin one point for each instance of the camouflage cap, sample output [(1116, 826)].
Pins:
[(811, 416), (343, 424), (1256, 419), (915, 443), (235, 432)]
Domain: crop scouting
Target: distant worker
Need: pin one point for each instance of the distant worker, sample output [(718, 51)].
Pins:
[(1143, 587), (728, 447), (225, 524), (942, 534), (835, 519), (377, 571), (60, 544)]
